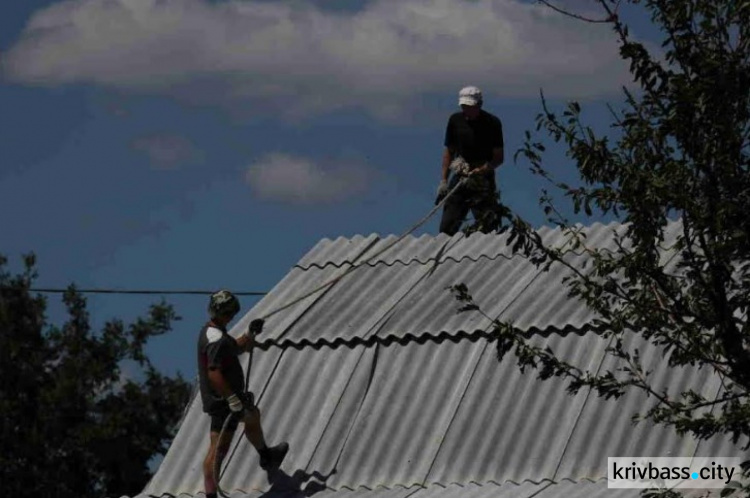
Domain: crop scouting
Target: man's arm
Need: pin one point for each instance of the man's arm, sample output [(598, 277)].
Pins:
[(246, 341), (442, 189), (498, 149), (447, 155), (219, 383), (498, 157)]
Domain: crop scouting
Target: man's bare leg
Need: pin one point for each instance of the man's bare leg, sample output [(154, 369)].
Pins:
[(215, 451), (269, 456), (253, 429)]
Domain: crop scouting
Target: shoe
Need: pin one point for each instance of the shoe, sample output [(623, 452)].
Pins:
[(274, 456)]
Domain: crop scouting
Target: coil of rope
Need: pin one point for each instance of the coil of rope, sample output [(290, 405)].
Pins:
[(217, 463)]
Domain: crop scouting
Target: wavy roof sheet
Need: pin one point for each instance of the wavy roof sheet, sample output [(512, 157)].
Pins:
[(383, 390)]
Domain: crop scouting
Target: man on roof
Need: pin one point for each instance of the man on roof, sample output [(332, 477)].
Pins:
[(473, 149), (222, 388)]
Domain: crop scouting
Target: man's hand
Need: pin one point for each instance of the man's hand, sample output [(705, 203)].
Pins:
[(247, 340), (442, 191), (235, 403), (442, 188), (485, 168), (256, 326)]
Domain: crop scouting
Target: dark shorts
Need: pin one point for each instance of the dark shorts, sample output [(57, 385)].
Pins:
[(221, 411)]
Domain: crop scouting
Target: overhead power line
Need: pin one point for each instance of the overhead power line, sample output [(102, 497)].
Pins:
[(144, 292)]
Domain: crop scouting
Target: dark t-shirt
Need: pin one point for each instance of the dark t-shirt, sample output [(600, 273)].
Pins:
[(217, 349), (474, 139)]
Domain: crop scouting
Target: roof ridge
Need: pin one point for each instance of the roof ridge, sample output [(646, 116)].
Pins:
[(423, 338), (407, 262), (491, 256)]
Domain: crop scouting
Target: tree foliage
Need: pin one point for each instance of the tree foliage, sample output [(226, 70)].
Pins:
[(678, 150), (73, 424)]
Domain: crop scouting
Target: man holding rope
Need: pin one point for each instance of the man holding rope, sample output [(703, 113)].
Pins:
[(222, 389), (473, 150)]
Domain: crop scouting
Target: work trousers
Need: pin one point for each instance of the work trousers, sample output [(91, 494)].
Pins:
[(477, 195)]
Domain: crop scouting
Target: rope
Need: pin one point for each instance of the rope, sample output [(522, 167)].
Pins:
[(359, 265), (217, 464)]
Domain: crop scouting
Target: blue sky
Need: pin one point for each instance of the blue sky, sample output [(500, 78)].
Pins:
[(196, 144)]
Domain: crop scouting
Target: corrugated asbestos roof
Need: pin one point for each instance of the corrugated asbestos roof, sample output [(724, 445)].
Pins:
[(383, 390), (584, 489)]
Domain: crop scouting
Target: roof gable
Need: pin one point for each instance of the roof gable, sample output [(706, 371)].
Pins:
[(383, 390)]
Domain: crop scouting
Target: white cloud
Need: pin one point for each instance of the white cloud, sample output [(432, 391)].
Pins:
[(298, 180), (299, 59), (165, 150)]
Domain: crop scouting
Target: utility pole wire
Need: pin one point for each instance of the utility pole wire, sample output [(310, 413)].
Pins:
[(145, 292)]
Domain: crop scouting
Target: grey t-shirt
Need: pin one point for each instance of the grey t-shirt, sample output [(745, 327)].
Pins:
[(217, 349)]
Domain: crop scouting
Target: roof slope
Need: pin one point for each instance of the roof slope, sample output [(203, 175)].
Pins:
[(383, 390)]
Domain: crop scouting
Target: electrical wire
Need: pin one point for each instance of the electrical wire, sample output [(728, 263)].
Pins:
[(144, 292)]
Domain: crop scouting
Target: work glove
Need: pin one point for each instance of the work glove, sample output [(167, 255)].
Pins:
[(442, 191), (442, 188), (235, 403), (256, 326)]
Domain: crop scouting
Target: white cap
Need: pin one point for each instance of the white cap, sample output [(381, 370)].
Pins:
[(470, 95)]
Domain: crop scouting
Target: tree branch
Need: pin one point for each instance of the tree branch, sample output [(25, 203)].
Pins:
[(608, 19)]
